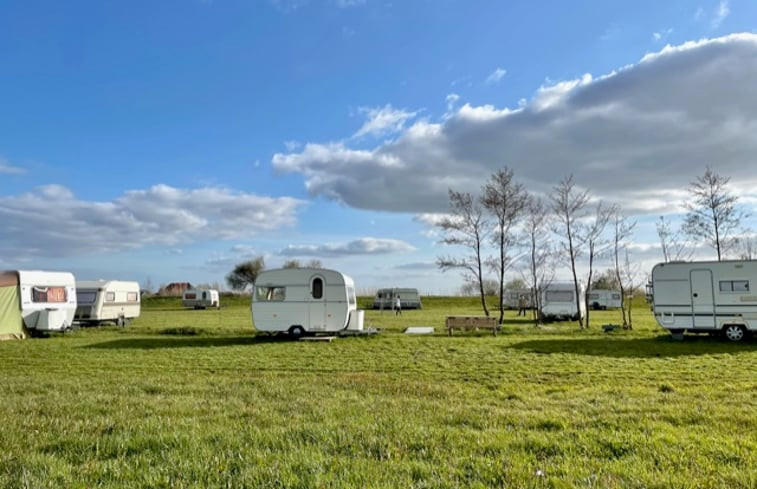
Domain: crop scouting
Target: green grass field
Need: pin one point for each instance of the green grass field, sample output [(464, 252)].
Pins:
[(195, 399)]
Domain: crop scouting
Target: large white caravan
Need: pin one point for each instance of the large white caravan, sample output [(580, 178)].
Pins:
[(100, 301), (305, 300), (559, 302), (43, 301), (201, 298), (706, 296), (603, 299), (409, 298)]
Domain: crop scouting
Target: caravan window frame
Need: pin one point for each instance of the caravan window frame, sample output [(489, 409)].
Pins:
[(316, 288), (733, 286), (560, 296), (270, 293), (42, 295)]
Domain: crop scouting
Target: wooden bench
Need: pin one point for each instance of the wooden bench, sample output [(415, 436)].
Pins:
[(466, 323)]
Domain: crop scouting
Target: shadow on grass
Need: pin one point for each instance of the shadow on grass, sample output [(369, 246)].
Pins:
[(159, 342), (660, 346)]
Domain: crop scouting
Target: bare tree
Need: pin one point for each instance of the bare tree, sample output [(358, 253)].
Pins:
[(622, 231), (466, 226), (505, 200), (294, 263), (536, 230), (630, 274), (245, 273), (569, 206), (596, 244), (747, 247), (672, 242), (713, 215)]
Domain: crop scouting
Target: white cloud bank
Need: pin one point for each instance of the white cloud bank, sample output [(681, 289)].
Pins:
[(50, 221), (637, 136), (362, 246), (8, 169)]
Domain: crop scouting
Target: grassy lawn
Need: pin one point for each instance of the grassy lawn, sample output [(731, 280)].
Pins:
[(194, 399)]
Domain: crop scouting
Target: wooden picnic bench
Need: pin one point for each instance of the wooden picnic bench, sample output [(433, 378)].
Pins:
[(467, 323)]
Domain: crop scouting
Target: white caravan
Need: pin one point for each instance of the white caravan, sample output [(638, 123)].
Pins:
[(100, 301), (305, 300), (706, 296), (512, 297), (409, 298), (559, 302), (201, 298), (603, 299), (48, 300)]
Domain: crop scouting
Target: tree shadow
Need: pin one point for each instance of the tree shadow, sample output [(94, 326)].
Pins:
[(160, 342), (619, 347)]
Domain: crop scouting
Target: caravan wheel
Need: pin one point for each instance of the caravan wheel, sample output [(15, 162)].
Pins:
[(296, 332), (734, 332)]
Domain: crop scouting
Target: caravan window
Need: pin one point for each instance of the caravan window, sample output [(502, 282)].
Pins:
[(85, 297), (270, 294), (559, 296), (317, 288), (49, 294), (734, 286), (110, 297), (132, 297), (351, 296)]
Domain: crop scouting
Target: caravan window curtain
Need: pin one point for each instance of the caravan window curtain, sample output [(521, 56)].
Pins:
[(49, 294)]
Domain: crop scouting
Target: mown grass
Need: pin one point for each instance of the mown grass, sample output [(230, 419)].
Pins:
[(195, 399)]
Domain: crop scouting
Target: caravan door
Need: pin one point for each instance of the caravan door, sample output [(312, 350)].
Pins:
[(702, 299), (317, 306)]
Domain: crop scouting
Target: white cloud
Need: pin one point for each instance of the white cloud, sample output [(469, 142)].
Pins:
[(8, 169), (362, 246), (635, 135), (661, 35), (496, 76), (384, 120), (721, 13), (51, 221), (292, 145), (349, 3)]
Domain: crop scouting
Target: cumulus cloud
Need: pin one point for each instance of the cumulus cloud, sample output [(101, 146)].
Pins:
[(721, 13), (635, 136), (362, 246), (496, 76), (52, 222), (8, 169), (383, 120)]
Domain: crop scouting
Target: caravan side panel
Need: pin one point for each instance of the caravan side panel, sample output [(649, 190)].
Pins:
[(48, 299)]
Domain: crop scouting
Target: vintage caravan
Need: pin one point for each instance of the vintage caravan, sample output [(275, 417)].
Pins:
[(37, 301), (305, 300), (601, 299), (512, 296), (201, 298), (706, 297), (409, 298), (559, 302), (101, 301)]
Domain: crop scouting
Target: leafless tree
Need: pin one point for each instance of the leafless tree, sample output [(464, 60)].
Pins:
[(672, 242), (570, 206), (536, 228), (505, 200), (622, 231), (630, 274), (712, 214), (294, 263), (596, 244), (468, 227), (747, 247)]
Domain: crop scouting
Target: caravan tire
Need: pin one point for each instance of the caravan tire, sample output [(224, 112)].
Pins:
[(296, 332), (734, 332)]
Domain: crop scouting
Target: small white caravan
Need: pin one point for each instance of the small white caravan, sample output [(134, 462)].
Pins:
[(409, 298), (706, 297), (559, 302), (201, 298), (305, 300), (512, 296), (100, 301), (47, 299), (601, 299)]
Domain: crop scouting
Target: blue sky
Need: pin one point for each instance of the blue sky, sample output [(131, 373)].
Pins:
[(170, 140)]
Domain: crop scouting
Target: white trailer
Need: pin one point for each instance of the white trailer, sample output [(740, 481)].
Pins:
[(47, 300), (201, 298), (409, 298), (601, 299), (305, 300), (706, 297), (101, 301), (559, 302), (512, 298)]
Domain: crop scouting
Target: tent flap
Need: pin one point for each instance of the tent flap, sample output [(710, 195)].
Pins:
[(11, 322)]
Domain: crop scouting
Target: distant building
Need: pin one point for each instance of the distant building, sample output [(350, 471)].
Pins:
[(175, 288)]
